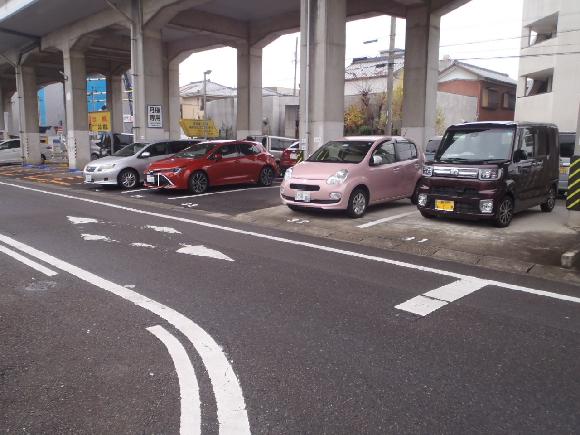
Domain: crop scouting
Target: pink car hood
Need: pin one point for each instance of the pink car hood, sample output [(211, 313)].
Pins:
[(319, 171)]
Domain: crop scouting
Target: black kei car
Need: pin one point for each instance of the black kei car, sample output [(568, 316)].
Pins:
[(491, 170)]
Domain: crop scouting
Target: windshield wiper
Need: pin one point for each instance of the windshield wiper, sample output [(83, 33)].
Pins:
[(455, 160)]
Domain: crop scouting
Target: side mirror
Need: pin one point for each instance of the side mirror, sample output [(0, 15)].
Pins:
[(520, 155), (145, 155), (376, 161)]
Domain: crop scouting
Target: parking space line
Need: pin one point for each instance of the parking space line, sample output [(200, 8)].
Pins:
[(223, 191), (190, 420), (139, 190), (386, 219), (28, 262), (421, 305)]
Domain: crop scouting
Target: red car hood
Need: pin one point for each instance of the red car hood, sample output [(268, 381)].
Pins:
[(174, 163)]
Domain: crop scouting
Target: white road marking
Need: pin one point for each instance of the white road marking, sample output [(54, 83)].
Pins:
[(168, 230), (323, 248), (190, 420), (386, 219), (202, 251), (223, 192), (97, 238), (421, 305), (81, 220), (231, 407), (39, 267), (423, 240), (189, 204), (408, 239), (433, 300), (137, 190), (136, 196), (142, 245)]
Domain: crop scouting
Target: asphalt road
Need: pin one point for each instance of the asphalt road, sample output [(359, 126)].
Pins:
[(106, 328)]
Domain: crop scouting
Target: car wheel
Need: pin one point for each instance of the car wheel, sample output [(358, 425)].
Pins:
[(426, 215), (550, 203), (504, 213), (94, 156), (198, 182), (357, 203), (128, 179), (42, 159), (266, 176)]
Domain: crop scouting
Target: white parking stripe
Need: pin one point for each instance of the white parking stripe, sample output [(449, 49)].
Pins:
[(387, 219), (231, 407), (28, 262), (190, 421), (224, 191), (324, 248), (139, 190), (421, 305)]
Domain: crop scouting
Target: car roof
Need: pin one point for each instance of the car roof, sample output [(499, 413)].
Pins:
[(373, 138), (499, 124)]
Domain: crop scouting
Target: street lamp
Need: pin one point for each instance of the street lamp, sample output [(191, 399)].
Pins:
[(205, 74)]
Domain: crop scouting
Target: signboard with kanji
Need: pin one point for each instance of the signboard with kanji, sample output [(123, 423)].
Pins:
[(99, 121), (199, 128), (154, 117)]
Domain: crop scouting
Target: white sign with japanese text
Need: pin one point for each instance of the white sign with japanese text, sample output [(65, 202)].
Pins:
[(154, 117)]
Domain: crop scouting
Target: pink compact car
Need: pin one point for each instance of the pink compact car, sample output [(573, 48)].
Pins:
[(354, 172)]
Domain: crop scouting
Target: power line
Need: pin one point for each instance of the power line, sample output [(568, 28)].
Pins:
[(521, 56)]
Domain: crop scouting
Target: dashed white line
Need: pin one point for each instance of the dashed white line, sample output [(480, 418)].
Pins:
[(190, 420), (231, 407), (202, 251), (39, 267), (223, 192), (386, 219)]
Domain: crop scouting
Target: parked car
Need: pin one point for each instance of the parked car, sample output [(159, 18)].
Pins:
[(275, 145), (352, 173), (214, 163), (11, 151), (432, 147), (289, 156), (567, 144), (125, 168), (491, 170)]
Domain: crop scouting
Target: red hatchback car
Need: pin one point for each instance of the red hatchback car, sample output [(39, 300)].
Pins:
[(213, 163)]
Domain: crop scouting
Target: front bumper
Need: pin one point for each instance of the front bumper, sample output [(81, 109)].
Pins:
[(319, 194), (162, 180), (108, 177)]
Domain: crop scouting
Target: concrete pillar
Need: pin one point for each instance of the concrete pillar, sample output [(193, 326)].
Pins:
[(28, 113), (249, 110), (421, 74), (115, 102), (76, 111), (323, 28), (7, 115), (3, 127), (174, 100)]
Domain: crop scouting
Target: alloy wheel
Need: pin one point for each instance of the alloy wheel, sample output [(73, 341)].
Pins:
[(266, 176), (506, 211), (128, 179), (359, 203), (198, 182)]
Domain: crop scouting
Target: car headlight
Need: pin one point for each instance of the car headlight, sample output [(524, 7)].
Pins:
[(338, 178), (427, 171), (288, 174), (107, 167), (490, 174), (176, 170)]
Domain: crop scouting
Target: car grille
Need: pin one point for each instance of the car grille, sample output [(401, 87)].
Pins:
[(454, 191), (91, 168), (305, 187), (159, 180)]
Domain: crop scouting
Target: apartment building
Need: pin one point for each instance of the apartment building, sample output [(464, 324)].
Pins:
[(549, 74)]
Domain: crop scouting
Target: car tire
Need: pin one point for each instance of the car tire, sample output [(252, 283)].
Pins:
[(426, 215), (550, 203), (42, 159), (128, 179), (198, 182), (267, 175), (504, 213), (357, 203)]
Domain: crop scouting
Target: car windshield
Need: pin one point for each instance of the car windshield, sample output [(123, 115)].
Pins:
[(196, 151), (475, 145), (567, 146), (130, 150), (342, 152)]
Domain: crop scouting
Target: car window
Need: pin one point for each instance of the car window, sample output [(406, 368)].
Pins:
[(248, 149), (543, 142), (527, 142), (14, 144), (175, 147), (386, 151), (567, 144), (433, 145), (4, 146), (406, 151), (280, 144), (158, 149), (229, 151)]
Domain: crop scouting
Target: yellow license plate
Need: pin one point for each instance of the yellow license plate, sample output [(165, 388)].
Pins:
[(444, 205), (564, 170)]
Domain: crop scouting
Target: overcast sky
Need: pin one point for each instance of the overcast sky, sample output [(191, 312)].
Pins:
[(476, 30)]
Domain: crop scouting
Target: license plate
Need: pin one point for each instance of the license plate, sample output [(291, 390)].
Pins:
[(564, 170), (444, 205), (302, 196), (88, 178), (293, 156), (151, 179)]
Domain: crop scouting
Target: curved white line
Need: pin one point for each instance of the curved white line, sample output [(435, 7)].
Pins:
[(231, 408), (190, 420)]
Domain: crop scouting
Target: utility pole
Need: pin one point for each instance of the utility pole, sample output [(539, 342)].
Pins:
[(205, 74), (390, 77), (295, 65)]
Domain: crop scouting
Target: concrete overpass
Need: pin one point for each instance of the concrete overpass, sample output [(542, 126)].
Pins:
[(47, 41)]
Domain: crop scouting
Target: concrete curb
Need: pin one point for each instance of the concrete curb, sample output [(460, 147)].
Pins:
[(570, 259)]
